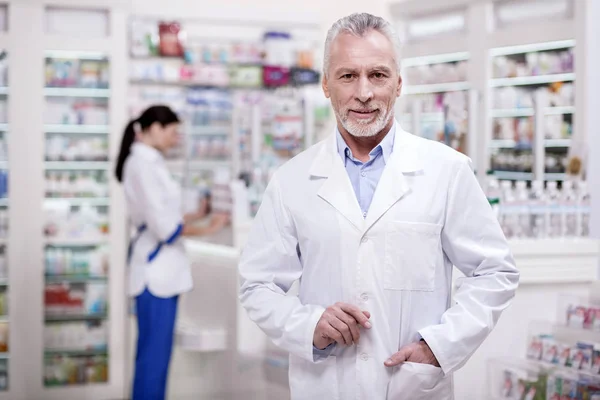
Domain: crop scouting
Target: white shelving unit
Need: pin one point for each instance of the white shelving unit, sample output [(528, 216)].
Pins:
[(479, 44), (39, 31)]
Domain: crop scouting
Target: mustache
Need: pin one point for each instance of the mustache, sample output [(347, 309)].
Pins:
[(362, 109)]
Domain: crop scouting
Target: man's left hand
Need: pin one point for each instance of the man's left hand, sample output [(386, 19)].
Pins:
[(419, 353)]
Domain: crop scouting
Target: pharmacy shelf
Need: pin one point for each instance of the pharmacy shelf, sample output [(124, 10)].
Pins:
[(545, 366), (511, 144), (435, 59), (79, 201), (77, 165), (74, 278), (3, 201), (559, 110), (76, 92), (529, 112), (437, 88), (532, 80), (557, 142), (209, 130), (3, 90), (4, 355), (83, 129), (4, 127), (513, 175), (3, 318), (555, 176), (75, 353), (529, 48), (3, 282), (75, 317), (3, 165), (76, 241), (527, 176)]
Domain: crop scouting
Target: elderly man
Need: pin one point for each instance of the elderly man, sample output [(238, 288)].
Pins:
[(371, 221)]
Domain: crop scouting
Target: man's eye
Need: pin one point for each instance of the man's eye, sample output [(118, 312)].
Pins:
[(378, 75), (347, 76)]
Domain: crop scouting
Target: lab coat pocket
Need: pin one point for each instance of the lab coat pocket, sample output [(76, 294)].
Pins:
[(413, 381), (412, 251), (310, 381)]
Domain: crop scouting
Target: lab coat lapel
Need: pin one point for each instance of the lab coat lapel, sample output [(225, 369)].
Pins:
[(337, 189), (393, 184)]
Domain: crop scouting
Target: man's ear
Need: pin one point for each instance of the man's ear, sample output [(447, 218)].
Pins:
[(399, 88), (324, 86)]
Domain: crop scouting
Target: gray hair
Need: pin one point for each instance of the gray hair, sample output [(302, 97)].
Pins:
[(359, 24)]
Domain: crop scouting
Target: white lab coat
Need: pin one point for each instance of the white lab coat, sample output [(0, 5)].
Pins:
[(428, 213), (154, 199)]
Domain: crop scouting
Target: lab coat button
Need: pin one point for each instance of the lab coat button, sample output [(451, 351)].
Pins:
[(363, 174), (364, 356), (365, 240), (364, 297)]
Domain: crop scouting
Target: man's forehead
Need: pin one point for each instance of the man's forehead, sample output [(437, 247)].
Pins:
[(372, 44)]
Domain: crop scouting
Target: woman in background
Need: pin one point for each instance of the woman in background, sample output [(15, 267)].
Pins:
[(159, 270)]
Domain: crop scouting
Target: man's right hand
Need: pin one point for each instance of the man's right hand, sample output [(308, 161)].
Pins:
[(340, 323)]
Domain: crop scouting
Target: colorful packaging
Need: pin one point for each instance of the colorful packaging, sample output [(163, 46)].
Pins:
[(576, 316), (246, 76), (170, 43), (550, 351), (596, 360), (304, 76), (276, 76), (596, 319), (535, 348), (564, 354)]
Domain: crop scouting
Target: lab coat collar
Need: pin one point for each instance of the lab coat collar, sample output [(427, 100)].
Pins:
[(337, 189), (145, 151)]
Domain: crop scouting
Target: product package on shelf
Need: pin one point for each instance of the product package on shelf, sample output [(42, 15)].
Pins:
[(72, 72), (287, 124), (539, 211), (76, 336), (85, 262), (75, 299), (69, 148), (442, 117), (534, 63), (68, 184), (221, 200), (63, 370), (437, 73), (62, 220), (71, 111), (562, 359)]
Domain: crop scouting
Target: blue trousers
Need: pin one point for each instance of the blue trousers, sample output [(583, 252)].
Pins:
[(156, 328)]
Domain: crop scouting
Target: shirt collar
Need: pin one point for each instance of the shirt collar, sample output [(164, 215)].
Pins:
[(145, 151), (385, 148)]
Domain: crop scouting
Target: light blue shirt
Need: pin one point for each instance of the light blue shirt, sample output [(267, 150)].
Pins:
[(365, 176)]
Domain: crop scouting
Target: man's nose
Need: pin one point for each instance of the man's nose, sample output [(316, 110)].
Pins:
[(364, 92)]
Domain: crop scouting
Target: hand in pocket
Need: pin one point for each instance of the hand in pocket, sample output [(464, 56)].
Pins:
[(419, 353)]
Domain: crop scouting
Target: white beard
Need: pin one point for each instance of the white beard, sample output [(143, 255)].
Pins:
[(365, 128)]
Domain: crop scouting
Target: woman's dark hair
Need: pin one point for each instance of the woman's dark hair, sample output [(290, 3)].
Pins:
[(161, 114)]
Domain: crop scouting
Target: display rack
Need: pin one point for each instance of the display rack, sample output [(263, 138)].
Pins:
[(435, 100), (562, 359), (533, 108), (76, 331)]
